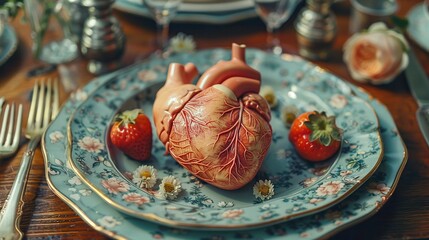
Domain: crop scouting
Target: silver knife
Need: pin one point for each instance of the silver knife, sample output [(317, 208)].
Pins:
[(419, 86)]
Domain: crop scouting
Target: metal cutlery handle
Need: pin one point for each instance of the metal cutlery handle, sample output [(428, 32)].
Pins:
[(11, 212)]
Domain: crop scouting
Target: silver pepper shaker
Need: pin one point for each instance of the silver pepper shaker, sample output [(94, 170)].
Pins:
[(103, 41), (316, 28)]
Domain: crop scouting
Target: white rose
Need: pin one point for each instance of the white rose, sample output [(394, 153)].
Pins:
[(377, 55)]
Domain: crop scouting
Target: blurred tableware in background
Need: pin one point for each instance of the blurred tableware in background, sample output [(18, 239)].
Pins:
[(4, 14), (163, 11), (8, 43), (274, 13), (210, 12), (316, 28), (419, 86), (78, 15), (366, 12), (103, 41), (418, 27), (50, 31)]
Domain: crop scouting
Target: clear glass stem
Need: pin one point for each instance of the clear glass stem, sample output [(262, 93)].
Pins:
[(163, 31), (273, 40)]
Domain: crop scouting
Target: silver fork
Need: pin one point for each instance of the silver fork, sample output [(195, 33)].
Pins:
[(9, 140), (44, 107)]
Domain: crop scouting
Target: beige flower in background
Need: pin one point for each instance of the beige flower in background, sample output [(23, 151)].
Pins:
[(182, 43), (376, 55)]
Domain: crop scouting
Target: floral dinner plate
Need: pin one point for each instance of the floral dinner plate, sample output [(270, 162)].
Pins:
[(301, 188), (363, 203)]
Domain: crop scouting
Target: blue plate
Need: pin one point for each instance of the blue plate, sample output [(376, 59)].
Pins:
[(361, 204)]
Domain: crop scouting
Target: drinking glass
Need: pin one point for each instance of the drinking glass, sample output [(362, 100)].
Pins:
[(50, 31), (274, 13), (366, 12), (163, 12)]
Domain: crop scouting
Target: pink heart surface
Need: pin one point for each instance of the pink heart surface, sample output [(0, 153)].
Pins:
[(219, 129)]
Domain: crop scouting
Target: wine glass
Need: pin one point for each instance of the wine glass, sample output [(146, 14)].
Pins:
[(163, 12), (274, 13)]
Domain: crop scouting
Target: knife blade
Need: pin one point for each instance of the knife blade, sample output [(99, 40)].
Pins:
[(418, 83)]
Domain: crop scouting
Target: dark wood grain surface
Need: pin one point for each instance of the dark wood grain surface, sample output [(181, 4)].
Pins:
[(404, 216)]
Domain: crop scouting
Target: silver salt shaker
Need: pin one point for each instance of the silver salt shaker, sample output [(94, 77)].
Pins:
[(103, 41), (316, 28)]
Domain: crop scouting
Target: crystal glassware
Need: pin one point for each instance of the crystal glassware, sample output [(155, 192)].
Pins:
[(274, 13), (163, 11), (50, 31)]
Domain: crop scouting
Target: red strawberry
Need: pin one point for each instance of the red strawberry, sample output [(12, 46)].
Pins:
[(315, 136), (132, 133)]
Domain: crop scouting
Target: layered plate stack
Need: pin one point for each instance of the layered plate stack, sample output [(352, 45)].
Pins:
[(311, 200), (202, 11)]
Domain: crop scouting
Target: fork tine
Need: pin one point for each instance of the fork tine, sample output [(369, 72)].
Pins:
[(47, 107), (40, 105), (17, 135), (3, 128), (55, 104), (10, 126), (33, 105)]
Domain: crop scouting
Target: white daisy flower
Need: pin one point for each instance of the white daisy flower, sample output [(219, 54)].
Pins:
[(267, 92), (182, 43), (289, 114), (169, 188), (263, 189), (145, 176)]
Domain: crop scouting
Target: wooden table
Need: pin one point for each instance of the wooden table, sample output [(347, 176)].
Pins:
[(406, 214)]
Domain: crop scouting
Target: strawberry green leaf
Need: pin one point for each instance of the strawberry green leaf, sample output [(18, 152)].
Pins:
[(323, 128), (128, 117)]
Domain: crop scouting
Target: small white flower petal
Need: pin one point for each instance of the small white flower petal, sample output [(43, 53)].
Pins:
[(145, 176), (263, 189), (169, 188)]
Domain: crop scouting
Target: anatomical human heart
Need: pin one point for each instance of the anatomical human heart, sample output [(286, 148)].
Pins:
[(218, 129)]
